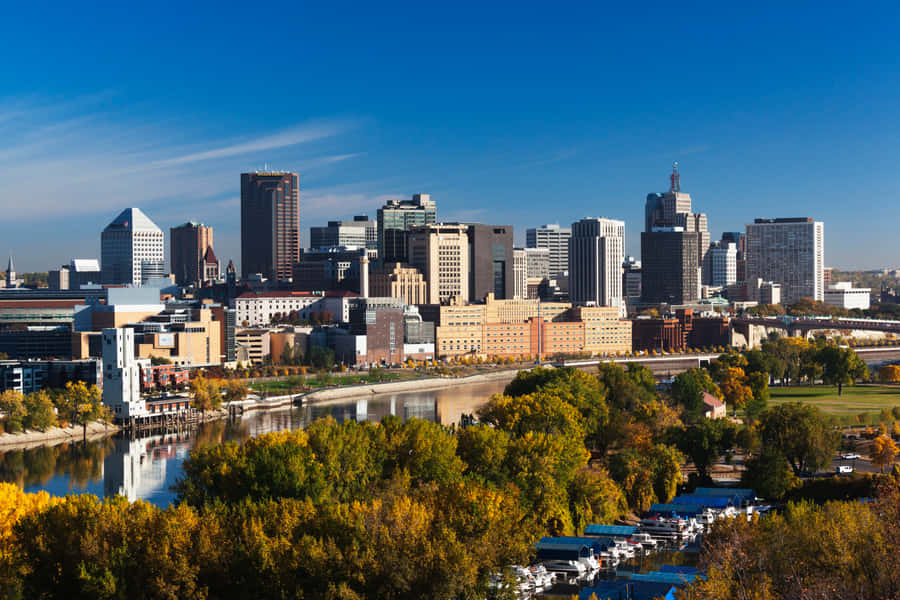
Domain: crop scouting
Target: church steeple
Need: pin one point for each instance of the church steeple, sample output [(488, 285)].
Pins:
[(10, 272)]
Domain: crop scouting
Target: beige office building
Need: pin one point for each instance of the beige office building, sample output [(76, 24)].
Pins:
[(441, 253), (396, 280)]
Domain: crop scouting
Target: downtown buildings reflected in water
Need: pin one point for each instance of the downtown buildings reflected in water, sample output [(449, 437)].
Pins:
[(146, 468)]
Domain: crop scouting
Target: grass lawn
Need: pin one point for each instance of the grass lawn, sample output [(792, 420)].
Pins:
[(856, 399)]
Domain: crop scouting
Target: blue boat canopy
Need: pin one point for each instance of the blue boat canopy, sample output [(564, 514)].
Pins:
[(610, 530), (707, 501)]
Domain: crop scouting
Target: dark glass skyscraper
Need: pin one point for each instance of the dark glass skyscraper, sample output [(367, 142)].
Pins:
[(395, 219), (270, 224)]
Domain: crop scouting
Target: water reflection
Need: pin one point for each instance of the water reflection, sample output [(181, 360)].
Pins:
[(147, 467)]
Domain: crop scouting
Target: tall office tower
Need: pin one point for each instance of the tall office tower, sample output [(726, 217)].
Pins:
[(671, 213), (631, 279), (490, 261), (131, 249), (395, 219), (723, 264), (188, 244), (669, 269), (537, 262), (270, 223), (441, 253), (596, 253), (739, 239), (360, 232), (520, 274), (556, 240), (790, 252)]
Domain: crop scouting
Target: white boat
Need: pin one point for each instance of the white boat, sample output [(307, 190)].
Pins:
[(567, 567), (666, 528), (542, 577), (645, 540)]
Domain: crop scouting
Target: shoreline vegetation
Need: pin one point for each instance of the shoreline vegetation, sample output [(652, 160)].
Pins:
[(52, 436)]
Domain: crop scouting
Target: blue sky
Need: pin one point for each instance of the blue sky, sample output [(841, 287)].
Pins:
[(504, 113)]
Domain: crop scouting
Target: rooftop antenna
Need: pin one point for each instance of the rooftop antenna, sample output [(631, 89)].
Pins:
[(675, 178)]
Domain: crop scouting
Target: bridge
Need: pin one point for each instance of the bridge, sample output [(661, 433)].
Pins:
[(803, 325)]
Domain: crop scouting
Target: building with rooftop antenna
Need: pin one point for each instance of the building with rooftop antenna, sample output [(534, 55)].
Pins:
[(270, 224), (131, 249)]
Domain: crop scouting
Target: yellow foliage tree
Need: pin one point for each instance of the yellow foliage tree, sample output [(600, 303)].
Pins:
[(14, 505), (889, 374), (884, 451)]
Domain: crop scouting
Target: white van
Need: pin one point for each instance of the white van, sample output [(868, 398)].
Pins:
[(844, 469)]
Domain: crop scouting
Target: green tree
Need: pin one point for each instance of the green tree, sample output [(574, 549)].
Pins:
[(543, 411), (688, 388), (841, 366), (800, 433), (235, 391), (704, 442), (759, 387)]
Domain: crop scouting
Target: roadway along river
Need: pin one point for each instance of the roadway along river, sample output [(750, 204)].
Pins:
[(147, 467)]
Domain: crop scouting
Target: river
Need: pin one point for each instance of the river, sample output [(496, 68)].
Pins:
[(147, 467)]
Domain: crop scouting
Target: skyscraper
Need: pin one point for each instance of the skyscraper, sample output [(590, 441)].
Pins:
[(441, 253), (669, 270), (596, 253), (520, 274), (723, 264), (270, 223), (790, 252), (556, 240), (188, 245), (395, 219), (490, 261), (360, 232), (131, 249)]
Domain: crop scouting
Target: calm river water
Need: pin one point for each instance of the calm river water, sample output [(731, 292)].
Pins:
[(147, 467)]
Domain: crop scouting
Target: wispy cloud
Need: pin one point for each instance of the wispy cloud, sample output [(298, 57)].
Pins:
[(78, 157)]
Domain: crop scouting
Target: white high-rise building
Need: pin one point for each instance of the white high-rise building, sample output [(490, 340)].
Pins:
[(520, 274), (131, 249), (555, 239), (122, 375), (596, 254), (790, 252), (722, 259)]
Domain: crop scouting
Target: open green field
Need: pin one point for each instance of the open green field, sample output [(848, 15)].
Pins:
[(855, 399)]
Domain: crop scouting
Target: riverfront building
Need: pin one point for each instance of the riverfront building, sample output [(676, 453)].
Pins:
[(524, 328)]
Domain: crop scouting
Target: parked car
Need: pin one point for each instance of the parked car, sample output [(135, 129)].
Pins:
[(850, 456)]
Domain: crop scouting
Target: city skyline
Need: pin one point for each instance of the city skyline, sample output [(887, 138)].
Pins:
[(492, 128)]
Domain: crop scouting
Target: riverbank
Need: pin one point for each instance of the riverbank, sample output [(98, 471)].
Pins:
[(394, 387), (54, 436)]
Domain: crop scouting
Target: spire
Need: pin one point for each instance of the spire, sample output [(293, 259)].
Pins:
[(675, 179), (10, 268)]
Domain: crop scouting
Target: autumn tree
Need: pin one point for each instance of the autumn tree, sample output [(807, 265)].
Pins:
[(39, 411), (12, 403), (889, 374), (206, 393), (884, 451), (735, 390), (235, 391), (82, 404)]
